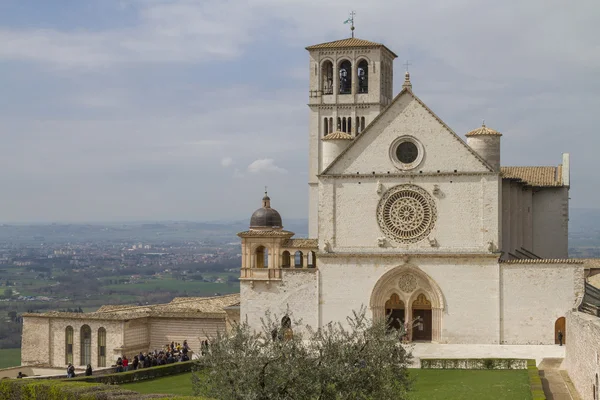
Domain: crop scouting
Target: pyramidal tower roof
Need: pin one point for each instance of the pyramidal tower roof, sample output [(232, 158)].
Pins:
[(349, 43)]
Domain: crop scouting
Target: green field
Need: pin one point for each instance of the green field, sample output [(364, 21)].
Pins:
[(192, 288), (429, 384), (10, 358)]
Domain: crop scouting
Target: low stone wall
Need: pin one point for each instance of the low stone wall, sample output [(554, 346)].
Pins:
[(473, 363), (582, 360)]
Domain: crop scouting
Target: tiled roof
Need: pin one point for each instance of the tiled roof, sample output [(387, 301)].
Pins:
[(350, 42), (338, 135), (189, 307), (483, 131), (301, 243), (265, 232), (544, 261), (535, 176)]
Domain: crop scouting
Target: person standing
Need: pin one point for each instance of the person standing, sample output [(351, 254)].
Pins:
[(560, 338), (88, 370)]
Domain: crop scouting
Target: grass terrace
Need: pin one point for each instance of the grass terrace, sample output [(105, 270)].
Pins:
[(430, 384)]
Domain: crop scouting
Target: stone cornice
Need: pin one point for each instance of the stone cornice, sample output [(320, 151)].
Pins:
[(544, 261), (406, 256), (345, 105), (405, 175)]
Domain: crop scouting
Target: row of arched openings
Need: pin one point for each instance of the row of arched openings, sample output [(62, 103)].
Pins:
[(85, 346), (345, 77), (344, 124), (262, 258)]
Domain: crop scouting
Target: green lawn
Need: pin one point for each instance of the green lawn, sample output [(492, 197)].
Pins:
[(10, 358), (175, 384), (430, 384), (457, 384)]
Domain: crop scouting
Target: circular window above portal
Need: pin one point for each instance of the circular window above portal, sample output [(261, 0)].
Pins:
[(406, 152)]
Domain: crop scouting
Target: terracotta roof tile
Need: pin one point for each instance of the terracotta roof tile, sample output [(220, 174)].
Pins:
[(483, 131), (338, 136), (349, 42), (189, 307), (265, 232), (535, 176)]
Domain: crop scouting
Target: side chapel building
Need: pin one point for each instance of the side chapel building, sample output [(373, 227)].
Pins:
[(405, 218)]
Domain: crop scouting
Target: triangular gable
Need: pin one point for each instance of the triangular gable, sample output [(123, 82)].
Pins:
[(351, 160)]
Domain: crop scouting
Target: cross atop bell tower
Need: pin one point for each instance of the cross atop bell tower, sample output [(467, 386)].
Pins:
[(351, 82)]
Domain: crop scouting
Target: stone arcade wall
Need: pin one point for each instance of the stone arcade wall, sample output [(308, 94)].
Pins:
[(44, 340), (583, 353), (534, 296)]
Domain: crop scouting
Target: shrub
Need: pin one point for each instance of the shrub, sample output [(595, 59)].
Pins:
[(535, 381), (364, 361)]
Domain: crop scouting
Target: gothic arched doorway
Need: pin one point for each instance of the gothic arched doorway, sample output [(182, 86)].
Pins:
[(394, 312), (408, 283), (560, 326), (421, 313)]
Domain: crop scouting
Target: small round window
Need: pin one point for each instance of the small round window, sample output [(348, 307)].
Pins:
[(407, 152)]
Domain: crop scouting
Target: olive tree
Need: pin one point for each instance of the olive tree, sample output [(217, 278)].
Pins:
[(360, 360)]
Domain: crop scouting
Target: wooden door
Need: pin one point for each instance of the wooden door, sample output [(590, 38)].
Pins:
[(560, 325), (422, 328), (395, 318)]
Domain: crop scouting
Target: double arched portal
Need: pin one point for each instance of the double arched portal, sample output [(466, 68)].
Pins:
[(408, 296)]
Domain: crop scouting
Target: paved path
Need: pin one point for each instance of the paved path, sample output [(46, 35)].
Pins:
[(556, 382), (537, 352)]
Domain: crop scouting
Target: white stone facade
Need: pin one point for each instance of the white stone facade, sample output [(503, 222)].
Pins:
[(410, 221)]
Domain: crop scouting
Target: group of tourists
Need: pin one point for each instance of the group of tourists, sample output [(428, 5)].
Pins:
[(172, 353)]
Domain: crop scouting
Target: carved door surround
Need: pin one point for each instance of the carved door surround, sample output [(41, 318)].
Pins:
[(415, 289)]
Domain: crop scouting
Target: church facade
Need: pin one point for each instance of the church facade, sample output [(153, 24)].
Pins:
[(411, 221)]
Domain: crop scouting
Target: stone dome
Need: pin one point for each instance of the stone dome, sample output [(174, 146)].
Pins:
[(266, 217)]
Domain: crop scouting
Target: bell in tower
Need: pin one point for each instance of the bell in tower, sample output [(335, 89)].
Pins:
[(351, 82)]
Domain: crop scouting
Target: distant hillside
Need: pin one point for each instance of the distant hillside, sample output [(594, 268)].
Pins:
[(148, 232)]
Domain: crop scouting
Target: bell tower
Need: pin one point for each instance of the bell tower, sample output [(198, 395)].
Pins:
[(351, 82)]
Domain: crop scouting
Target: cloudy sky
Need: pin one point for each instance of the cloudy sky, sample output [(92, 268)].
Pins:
[(184, 109)]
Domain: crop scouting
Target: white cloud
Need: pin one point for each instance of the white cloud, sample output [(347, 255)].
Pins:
[(265, 165), (226, 161)]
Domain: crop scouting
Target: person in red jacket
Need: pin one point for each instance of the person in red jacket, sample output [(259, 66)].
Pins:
[(125, 363)]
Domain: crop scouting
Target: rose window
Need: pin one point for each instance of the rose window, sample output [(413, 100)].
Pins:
[(406, 213)]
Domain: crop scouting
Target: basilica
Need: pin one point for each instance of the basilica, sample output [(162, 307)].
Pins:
[(411, 221), (406, 219)]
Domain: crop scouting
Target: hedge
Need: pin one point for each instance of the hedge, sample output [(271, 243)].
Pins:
[(473, 363), (138, 375), (535, 381), (31, 389)]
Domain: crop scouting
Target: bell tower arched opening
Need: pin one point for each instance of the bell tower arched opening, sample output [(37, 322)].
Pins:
[(345, 77), (363, 76), (261, 257), (327, 77)]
